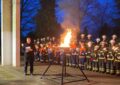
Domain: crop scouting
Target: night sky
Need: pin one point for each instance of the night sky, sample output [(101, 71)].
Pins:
[(95, 15)]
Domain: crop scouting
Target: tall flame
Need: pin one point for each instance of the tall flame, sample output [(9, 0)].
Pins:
[(67, 39)]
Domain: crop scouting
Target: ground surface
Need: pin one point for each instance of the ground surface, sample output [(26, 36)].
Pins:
[(15, 76)]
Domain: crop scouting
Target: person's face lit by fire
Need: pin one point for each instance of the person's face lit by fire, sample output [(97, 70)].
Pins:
[(114, 37), (98, 40), (104, 37), (82, 36), (89, 37), (28, 40)]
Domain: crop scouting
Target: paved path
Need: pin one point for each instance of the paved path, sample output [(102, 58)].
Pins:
[(14, 76)]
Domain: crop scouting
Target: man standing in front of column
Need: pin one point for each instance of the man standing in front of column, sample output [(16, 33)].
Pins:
[(28, 55)]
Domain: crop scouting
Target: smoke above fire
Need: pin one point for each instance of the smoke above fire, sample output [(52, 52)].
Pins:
[(71, 14), (95, 17), (71, 18)]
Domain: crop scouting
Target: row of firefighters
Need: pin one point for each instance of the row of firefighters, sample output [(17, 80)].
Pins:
[(100, 56)]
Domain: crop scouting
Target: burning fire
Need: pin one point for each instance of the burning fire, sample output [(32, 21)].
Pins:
[(67, 39)]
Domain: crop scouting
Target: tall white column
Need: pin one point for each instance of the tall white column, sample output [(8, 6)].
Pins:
[(6, 30), (16, 32), (10, 32)]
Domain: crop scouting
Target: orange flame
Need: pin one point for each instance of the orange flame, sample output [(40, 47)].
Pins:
[(67, 39)]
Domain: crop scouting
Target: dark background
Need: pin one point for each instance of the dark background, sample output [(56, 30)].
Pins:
[(44, 17), (40, 18)]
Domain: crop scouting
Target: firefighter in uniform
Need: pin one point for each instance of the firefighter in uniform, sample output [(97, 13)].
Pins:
[(73, 53), (57, 54), (50, 52), (77, 56), (95, 55), (117, 60), (110, 58), (89, 50), (44, 53), (36, 53), (82, 52), (40, 52), (68, 57), (102, 56)]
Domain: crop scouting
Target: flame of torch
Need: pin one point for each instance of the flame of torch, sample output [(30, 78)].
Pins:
[(67, 39)]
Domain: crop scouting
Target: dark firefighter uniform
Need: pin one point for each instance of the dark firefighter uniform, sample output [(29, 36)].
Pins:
[(95, 66), (111, 57), (110, 62), (36, 53), (50, 53), (68, 57), (102, 57), (88, 55), (73, 54), (57, 55), (95, 58), (43, 52), (82, 52), (117, 62)]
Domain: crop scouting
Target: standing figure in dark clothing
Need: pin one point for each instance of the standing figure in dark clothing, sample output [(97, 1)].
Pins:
[(28, 55)]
